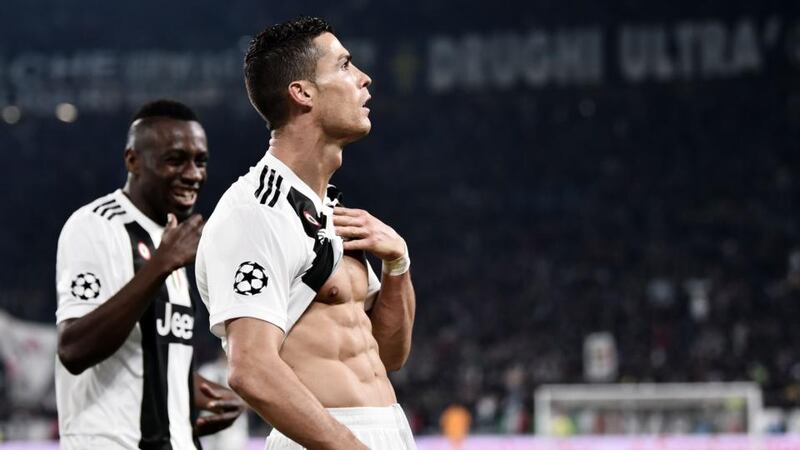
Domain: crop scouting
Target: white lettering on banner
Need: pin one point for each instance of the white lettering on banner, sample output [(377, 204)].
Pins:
[(646, 52), (106, 80), (84, 67), (97, 80), (442, 63), (705, 50), (473, 62), (747, 54), (180, 325), (535, 61)]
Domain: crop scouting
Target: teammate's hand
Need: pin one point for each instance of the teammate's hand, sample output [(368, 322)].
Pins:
[(225, 405), (362, 231), (179, 241)]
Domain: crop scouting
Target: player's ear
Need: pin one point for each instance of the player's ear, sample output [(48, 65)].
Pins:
[(302, 92), (132, 161)]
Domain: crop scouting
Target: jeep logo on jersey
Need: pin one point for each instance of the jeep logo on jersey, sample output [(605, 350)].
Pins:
[(310, 218), (85, 286), (250, 278), (179, 325)]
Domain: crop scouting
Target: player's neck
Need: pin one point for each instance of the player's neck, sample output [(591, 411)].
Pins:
[(138, 200), (311, 157)]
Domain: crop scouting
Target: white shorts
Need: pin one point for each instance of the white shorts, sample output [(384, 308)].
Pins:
[(379, 428), (85, 441)]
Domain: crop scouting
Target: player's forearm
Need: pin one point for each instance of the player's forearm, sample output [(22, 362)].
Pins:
[(393, 319), (277, 395), (88, 340)]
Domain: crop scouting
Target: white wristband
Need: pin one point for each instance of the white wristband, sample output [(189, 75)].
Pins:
[(397, 266)]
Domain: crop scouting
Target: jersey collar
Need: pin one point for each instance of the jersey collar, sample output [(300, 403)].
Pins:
[(273, 162), (146, 222)]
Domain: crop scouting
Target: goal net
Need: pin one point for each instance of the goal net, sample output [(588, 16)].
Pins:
[(620, 409)]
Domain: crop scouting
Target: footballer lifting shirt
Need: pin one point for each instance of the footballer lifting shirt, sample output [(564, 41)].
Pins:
[(141, 396), (268, 248)]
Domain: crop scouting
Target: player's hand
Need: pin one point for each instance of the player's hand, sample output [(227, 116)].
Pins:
[(225, 405), (362, 231), (179, 242)]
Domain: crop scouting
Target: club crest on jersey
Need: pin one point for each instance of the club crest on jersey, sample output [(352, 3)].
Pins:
[(310, 218), (250, 278), (144, 251), (322, 236), (85, 286)]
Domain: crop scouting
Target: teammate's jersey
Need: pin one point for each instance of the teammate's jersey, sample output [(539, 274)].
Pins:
[(268, 248), (139, 397)]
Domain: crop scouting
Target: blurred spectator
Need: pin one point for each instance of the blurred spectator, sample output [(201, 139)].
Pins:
[(455, 423)]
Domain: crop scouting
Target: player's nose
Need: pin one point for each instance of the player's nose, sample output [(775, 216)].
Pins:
[(193, 173), (365, 79)]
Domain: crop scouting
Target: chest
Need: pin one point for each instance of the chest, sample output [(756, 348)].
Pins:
[(140, 245), (348, 283), (170, 315)]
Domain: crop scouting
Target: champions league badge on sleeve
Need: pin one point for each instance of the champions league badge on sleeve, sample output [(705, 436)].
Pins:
[(85, 286), (250, 278)]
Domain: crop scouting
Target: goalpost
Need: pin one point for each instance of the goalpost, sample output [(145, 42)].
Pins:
[(651, 408)]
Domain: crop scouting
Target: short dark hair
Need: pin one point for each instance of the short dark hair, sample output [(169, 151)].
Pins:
[(165, 108), (277, 56)]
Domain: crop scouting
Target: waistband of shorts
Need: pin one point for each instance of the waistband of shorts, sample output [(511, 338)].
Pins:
[(369, 416)]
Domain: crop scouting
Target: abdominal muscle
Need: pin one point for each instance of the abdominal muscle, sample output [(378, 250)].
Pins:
[(331, 347)]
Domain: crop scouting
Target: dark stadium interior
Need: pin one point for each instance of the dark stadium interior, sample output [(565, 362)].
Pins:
[(660, 211)]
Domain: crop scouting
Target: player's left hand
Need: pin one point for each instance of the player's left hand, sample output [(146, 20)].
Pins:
[(225, 405), (362, 231)]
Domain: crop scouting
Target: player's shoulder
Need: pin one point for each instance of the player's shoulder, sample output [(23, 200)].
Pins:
[(102, 213), (239, 212), (257, 198)]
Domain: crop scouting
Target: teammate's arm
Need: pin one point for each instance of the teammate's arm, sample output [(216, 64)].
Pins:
[(392, 315), (88, 340), (225, 405), (271, 388)]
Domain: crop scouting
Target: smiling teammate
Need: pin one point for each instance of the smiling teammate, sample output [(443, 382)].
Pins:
[(124, 377), (309, 329)]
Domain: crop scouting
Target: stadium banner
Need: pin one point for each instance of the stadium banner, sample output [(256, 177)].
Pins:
[(623, 53)]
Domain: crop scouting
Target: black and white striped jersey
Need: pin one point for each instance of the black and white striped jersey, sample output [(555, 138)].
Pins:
[(267, 249), (141, 396)]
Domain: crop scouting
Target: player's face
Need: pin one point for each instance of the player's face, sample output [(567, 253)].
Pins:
[(342, 91), (173, 167)]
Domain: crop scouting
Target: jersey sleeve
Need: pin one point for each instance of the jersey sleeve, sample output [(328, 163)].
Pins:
[(88, 270), (247, 262)]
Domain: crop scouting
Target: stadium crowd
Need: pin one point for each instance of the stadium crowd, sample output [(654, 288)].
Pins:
[(666, 219), (665, 214)]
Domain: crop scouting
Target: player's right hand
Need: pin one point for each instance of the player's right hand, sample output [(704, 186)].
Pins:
[(179, 241)]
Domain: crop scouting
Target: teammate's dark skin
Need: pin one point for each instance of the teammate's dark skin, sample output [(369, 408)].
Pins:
[(166, 161)]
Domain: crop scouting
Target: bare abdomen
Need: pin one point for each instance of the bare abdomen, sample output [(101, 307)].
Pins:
[(333, 352)]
